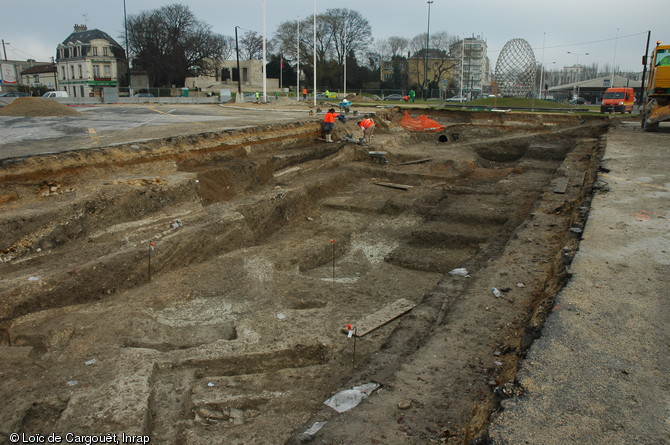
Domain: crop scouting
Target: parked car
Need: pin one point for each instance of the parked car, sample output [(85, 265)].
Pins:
[(393, 97), (578, 101), (457, 99), (143, 95), (14, 94), (54, 94)]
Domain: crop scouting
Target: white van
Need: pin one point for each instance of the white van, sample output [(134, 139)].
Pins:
[(55, 94)]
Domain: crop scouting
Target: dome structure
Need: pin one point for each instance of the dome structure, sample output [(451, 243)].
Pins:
[(515, 69)]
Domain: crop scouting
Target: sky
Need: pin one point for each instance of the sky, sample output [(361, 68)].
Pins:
[(561, 33)]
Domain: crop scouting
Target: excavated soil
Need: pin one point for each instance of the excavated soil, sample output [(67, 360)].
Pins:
[(195, 289), (35, 106)]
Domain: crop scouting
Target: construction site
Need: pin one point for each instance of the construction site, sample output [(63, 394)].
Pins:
[(255, 284)]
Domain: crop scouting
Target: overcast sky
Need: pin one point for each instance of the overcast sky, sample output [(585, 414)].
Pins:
[(610, 31)]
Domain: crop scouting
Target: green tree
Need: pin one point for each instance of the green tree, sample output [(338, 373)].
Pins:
[(170, 44)]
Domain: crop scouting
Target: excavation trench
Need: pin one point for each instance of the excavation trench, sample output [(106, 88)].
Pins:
[(188, 288)]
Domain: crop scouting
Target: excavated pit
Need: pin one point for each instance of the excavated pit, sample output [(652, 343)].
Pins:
[(196, 287)]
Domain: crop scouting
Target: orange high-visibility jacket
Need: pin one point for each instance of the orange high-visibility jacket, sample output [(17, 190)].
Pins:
[(330, 117), (366, 123)]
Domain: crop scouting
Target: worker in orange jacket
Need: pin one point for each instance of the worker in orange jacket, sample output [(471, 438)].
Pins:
[(329, 124), (304, 94), (368, 127)]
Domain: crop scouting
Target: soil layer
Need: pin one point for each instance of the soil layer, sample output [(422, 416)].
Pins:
[(195, 288)]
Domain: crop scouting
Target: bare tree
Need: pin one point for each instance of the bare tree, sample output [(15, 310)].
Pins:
[(398, 45), (251, 45), (170, 43), (350, 32)]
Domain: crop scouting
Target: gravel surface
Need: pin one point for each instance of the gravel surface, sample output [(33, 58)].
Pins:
[(600, 373)]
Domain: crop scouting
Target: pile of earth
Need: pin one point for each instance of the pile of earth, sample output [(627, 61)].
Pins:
[(357, 98), (36, 107)]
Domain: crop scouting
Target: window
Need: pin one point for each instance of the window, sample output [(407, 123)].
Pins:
[(108, 71), (95, 50), (81, 91), (663, 57), (62, 70), (96, 71), (80, 72), (105, 51), (72, 72)]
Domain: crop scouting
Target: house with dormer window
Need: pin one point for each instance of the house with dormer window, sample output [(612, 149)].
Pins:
[(88, 61)]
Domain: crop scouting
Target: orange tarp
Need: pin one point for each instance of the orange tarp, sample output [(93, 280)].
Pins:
[(421, 123)]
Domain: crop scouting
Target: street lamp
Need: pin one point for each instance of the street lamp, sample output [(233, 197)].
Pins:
[(577, 62), (425, 55), (125, 26), (239, 97)]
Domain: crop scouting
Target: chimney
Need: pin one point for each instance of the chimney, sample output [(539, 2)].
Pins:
[(80, 28)]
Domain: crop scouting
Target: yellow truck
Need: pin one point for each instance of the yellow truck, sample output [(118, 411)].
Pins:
[(657, 91)]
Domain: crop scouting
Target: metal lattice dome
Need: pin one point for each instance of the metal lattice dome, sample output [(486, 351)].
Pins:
[(515, 69)]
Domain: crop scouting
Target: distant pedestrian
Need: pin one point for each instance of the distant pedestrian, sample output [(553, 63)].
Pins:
[(258, 96), (412, 95), (304, 94), (368, 127)]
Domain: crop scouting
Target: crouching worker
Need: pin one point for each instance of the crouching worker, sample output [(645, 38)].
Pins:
[(329, 124), (368, 127)]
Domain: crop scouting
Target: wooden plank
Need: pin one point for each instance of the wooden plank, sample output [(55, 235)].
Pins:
[(418, 161), (561, 185), (578, 178), (383, 316), (395, 186)]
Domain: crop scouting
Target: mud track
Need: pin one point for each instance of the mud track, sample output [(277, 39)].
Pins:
[(196, 288)]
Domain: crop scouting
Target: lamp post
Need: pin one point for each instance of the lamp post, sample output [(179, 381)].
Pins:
[(125, 26), (314, 55), (297, 77), (239, 97), (577, 61), (425, 55), (265, 74), (4, 49)]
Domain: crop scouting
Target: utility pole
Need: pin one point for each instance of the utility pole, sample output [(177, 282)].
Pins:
[(239, 73), (265, 74), (425, 56), (4, 49), (297, 77), (125, 26), (644, 69), (314, 55)]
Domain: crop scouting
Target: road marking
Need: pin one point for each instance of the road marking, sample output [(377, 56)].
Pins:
[(94, 135), (185, 120)]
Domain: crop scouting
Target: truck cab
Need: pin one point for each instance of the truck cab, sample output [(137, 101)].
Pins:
[(618, 100)]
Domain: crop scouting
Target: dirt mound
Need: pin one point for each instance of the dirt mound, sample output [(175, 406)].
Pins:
[(35, 106), (357, 98)]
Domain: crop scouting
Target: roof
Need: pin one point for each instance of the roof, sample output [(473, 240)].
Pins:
[(600, 82), (431, 53), (37, 69), (85, 36), (88, 35)]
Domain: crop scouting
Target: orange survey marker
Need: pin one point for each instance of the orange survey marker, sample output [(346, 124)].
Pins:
[(421, 123)]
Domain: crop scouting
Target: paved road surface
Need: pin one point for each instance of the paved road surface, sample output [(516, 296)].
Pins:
[(600, 373), (104, 125)]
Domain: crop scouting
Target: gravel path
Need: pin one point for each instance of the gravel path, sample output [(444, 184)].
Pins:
[(600, 374)]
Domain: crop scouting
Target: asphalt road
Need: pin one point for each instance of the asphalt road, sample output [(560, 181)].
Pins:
[(104, 125)]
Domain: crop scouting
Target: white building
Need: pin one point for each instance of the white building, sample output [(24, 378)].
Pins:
[(473, 74), (89, 60)]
